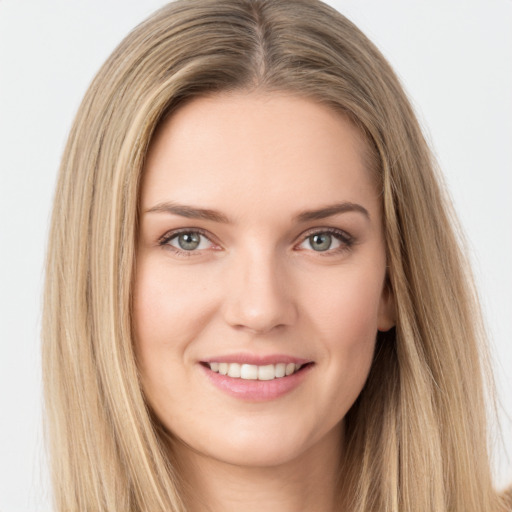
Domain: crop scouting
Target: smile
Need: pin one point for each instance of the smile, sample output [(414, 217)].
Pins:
[(256, 378), (255, 372)]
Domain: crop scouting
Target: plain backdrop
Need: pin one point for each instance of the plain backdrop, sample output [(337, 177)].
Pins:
[(455, 60)]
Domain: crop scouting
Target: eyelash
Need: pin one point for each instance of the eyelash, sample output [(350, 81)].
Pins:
[(165, 239), (347, 241)]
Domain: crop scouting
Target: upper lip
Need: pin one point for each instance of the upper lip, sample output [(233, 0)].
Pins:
[(255, 359)]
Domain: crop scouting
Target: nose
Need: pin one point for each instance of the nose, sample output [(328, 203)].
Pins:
[(258, 296)]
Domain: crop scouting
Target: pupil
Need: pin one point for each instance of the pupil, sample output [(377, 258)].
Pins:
[(321, 242), (189, 241)]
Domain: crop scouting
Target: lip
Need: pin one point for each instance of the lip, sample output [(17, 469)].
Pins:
[(258, 360), (256, 390)]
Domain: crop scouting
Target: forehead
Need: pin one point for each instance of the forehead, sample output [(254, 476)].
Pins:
[(257, 149)]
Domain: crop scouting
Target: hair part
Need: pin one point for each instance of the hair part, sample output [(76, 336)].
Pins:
[(416, 437)]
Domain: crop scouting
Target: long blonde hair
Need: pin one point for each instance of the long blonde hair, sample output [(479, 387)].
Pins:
[(416, 437)]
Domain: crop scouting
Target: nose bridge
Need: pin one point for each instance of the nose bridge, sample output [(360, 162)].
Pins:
[(258, 297)]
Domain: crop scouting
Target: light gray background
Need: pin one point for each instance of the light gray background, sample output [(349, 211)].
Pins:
[(454, 58)]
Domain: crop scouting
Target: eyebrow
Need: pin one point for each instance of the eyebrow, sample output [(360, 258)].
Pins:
[(192, 212), (330, 210)]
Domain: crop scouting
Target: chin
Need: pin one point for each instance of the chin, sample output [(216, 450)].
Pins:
[(261, 447)]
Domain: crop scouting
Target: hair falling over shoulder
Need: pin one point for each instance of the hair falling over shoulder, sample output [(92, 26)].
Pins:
[(416, 438)]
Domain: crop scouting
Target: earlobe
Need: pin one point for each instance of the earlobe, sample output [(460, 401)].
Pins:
[(387, 313)]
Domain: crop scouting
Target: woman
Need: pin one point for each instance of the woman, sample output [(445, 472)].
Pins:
[(255, 294)]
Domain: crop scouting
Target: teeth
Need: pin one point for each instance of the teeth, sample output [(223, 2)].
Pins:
[(249, 372), (281, 370), (234, 370), (267, 372), (290, 368), (253, 372)]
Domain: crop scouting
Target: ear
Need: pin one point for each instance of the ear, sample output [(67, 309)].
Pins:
[(386, 318)]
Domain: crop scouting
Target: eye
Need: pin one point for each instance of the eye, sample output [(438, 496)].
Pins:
[(321, 241), (332, 240), (186, 241)]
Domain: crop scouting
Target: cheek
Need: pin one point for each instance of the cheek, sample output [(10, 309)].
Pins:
[(344, 318), (168, 308), (345, 306), (168, 313)]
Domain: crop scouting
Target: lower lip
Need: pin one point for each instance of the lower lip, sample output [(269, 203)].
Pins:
[(257, 390)]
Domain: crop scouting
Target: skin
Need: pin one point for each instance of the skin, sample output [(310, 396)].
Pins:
[(256, 284)]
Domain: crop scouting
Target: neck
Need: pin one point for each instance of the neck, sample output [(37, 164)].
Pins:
[(308, 482)]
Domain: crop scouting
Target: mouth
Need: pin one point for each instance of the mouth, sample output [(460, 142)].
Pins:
[(255, 372), (256, 379)]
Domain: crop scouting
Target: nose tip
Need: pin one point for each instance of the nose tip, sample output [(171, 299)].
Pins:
[(259, 299), (256, 320)]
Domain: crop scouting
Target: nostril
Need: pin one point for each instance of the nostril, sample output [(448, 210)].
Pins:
[(259, 305), (254, 328)]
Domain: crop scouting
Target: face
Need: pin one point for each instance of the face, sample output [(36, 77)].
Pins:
[(260, 280)]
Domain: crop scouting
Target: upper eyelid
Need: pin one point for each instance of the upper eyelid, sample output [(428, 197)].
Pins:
[(333, 231), (169, 235)]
